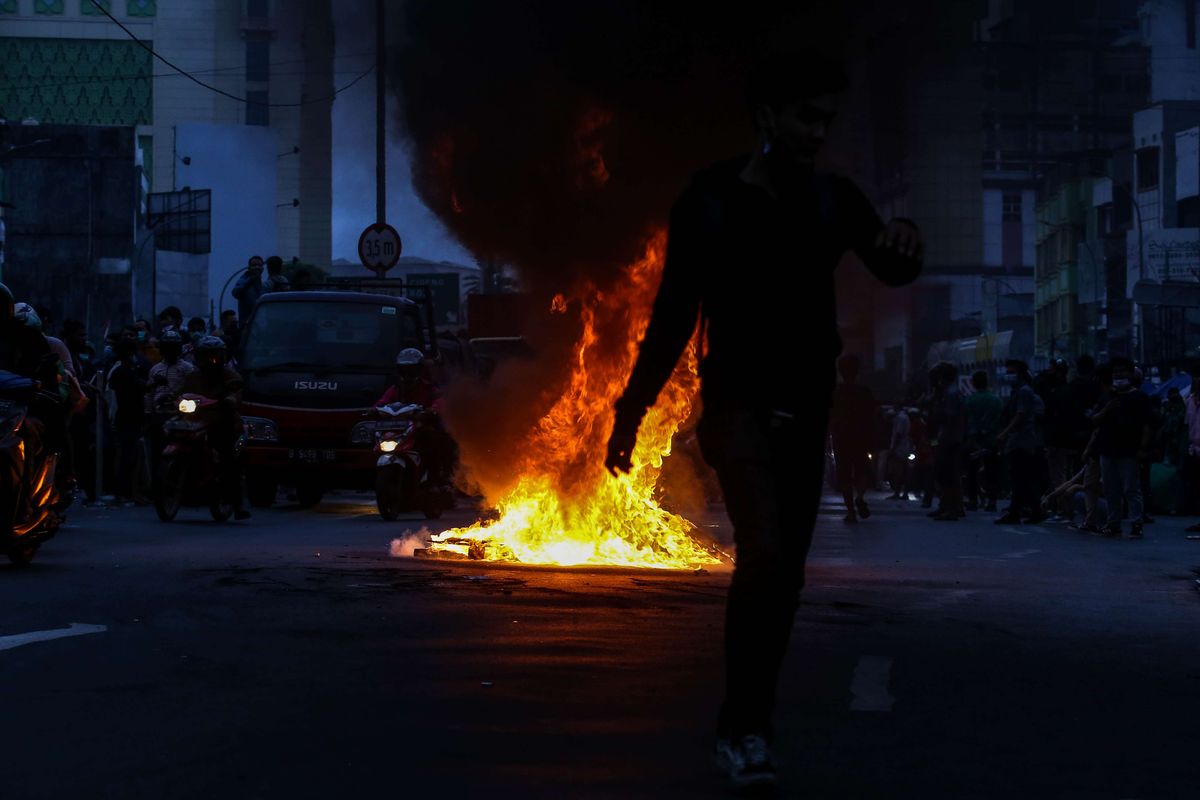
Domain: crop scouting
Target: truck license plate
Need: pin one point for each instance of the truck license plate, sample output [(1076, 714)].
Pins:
[(312, 456)]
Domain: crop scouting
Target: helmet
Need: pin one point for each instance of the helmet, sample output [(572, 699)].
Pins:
[(210, 352), (410, 357), (25, 313)]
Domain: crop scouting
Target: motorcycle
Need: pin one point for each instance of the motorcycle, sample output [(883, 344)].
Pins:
[(189, 470), (30, 506), (402, 478)]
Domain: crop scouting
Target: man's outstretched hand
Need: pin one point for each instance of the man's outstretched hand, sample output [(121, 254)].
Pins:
[(620, 452), (902, 237)]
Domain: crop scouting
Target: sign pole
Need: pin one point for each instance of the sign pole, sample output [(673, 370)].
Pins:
[(380, 111)]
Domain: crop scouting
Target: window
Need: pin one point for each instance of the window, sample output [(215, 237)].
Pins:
[(330, 334), (257, 110), (48, 6), (141, 8), (88, 8), (1147, 169), (1188, 210), (258, 56), (256, 8), (8, 7), (1011, 207), (1104, 219)]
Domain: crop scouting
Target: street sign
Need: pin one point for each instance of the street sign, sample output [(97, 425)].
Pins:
[(379, 247), (444, 291)]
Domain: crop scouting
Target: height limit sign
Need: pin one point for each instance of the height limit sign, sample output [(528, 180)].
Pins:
[(379, 247)]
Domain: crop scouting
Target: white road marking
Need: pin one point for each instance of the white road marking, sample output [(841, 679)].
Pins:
[(74, 629), (1021, 554), (870, 684)]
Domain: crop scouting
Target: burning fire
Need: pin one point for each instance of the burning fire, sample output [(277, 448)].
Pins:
[(564, 508)]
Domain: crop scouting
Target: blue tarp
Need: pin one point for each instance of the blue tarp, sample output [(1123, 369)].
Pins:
[(1181, 382)]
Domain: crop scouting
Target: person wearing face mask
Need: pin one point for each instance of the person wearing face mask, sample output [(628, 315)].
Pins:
[(1123, 440), (1022, 443), (774, 211)]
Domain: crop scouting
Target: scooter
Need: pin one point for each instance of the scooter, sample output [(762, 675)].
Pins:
[(189, 470), (29, 500), (402, 479)]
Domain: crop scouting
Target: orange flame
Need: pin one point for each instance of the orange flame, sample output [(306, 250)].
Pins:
[(559, 304), (564, 508)]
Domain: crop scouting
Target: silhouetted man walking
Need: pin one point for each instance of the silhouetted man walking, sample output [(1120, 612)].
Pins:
[(773, 213)]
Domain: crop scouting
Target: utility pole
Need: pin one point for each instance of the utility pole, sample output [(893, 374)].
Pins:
[(380, 111)]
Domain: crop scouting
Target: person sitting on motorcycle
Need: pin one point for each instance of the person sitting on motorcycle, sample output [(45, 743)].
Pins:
[(167, 376), (24, 351), (413, 385), (215, 379)]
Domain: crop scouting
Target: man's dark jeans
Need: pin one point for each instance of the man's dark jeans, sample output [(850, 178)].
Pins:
[(1025, 470), (947, 466), (983, 477), (770, 471)]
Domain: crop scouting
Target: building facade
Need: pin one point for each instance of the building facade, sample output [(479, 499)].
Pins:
[(65, 62)]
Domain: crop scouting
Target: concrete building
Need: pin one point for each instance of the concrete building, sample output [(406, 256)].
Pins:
[(983, 112), (67, 63)]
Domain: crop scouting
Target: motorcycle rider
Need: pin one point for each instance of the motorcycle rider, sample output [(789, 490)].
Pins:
[(166, 382), (25, 352), (413, 385), (215, 379)]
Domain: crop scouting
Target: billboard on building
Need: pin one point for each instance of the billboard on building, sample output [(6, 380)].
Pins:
[(1167, 254), (444, 290)]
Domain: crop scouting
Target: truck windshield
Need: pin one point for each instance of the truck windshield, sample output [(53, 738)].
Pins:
[(324, 335)]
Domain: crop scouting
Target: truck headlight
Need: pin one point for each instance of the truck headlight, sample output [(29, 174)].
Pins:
[(260, 429)]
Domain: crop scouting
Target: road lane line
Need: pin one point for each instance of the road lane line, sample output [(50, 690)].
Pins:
[(870, 684), (74, 629)]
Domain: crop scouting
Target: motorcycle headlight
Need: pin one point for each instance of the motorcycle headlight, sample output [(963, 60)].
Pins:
[(387, 446), (187, 406), (260, 429)]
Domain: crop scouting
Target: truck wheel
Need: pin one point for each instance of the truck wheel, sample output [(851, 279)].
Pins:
[(261, 490), (308, 496)]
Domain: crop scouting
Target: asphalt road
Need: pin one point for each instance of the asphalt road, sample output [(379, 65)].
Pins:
[(292, 657)]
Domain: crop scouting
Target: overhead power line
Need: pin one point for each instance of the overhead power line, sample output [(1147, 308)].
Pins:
[(217, 90)]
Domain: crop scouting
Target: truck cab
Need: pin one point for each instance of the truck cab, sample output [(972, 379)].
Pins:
[(314, 364)]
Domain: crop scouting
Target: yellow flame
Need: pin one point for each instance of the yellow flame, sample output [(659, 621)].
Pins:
[(565, 509)]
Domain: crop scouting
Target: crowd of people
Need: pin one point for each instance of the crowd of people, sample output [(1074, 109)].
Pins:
[(115, 398), (1092, 446)]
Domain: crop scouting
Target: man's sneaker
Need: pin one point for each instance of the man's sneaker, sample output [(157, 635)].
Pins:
[(1135, 530), (1111, 532), (863, 510), (748, 762)]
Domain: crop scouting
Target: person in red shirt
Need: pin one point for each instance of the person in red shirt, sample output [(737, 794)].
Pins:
[(412, 384)]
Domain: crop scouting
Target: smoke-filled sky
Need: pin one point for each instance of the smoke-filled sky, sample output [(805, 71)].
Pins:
[(354, 155), (554, 136)]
